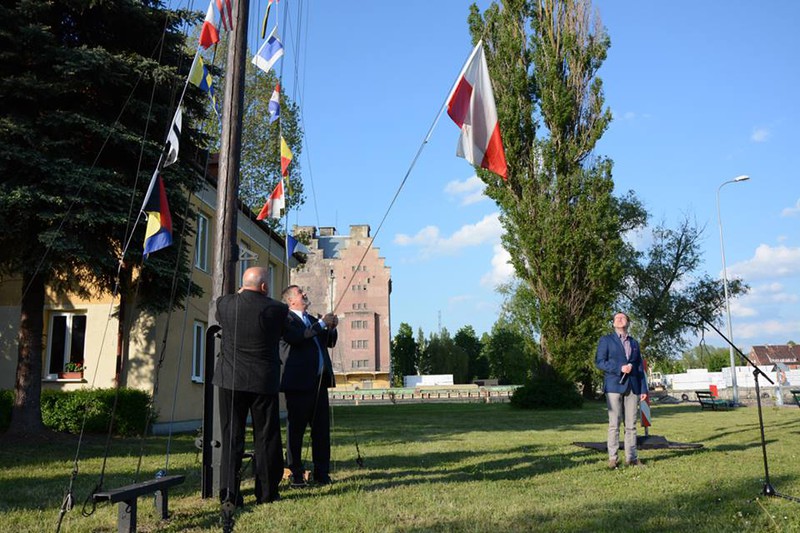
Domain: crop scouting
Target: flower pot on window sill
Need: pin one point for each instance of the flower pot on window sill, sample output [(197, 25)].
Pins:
[(70, 375)]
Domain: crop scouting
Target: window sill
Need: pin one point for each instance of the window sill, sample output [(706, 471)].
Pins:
[(73, 377)]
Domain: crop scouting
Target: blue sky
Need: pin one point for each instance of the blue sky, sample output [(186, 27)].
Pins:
[(701, 92)]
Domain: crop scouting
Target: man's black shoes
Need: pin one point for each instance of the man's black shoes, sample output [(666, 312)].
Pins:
[(297, 482)]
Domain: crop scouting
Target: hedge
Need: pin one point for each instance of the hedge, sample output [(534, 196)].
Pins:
[(64, 410)]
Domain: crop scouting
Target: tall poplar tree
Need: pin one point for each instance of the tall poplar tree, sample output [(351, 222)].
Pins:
[(89, 88), (563, 225)]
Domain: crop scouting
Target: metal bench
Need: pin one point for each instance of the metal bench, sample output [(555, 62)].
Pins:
[(126, 498), (709, 401), (796, 396)]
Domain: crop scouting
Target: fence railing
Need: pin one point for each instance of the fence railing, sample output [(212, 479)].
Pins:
[(435, 393)]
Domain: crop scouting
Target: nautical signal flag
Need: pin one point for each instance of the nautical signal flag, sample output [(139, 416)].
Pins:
[(269, 53), (174, 138), (200, 77), (286, 157), (471, 106), (226, 14), (293, 245), (209, 33), (274, 204), (266, 18), (158, 234), (274, 106)]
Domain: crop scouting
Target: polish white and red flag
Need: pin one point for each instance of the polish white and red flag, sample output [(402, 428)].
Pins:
[(471, 106), (274, 204), (209, 33), (226, 14)]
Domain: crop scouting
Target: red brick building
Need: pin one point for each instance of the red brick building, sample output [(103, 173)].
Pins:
[(346, 274), (774, 354)]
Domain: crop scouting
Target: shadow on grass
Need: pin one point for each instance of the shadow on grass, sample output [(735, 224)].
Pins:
[(722, 510)]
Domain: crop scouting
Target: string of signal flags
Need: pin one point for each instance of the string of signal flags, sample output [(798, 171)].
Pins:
[(470, 104)]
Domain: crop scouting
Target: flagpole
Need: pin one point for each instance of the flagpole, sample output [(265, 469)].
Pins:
[(412, 165), (226, 216)]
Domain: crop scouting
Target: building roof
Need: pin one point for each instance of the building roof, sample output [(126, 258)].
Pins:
[(332, 246), (773, 354)]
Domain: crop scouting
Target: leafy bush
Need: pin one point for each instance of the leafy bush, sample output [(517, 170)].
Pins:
[(6, 403), (547, 393), (65, 410)]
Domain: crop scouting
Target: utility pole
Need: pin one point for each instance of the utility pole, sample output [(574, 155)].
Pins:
[(226, 250)]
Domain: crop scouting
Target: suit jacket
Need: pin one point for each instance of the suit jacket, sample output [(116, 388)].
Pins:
[(610, 358), (300, 355), (251, 330)]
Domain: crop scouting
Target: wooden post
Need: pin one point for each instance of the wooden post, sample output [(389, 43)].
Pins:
[(226, 251)]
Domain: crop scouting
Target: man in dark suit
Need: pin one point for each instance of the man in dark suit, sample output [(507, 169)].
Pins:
[(307, 374), (624, 384), (248, 377)]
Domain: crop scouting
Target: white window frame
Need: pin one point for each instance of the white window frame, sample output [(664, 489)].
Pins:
[(244, 264), (201, 243), (66, 356), (198, 351), (273, 290)]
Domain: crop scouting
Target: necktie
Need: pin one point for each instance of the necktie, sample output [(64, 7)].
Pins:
[(321, 362)]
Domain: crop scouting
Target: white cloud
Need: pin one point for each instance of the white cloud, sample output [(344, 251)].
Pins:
[(760, 135), (431, 242), (501, 271), (767, 328), (467, 192), (739, 309), (769, 293), (791, 211), (769, 262), (423, 236)]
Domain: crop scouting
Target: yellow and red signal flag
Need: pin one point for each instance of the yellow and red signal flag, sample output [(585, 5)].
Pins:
[(286, 159)]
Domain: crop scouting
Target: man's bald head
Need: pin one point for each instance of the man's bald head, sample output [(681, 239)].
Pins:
[(256, 279)]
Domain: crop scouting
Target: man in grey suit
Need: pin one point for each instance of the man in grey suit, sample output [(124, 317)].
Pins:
[(248, 377), (307, 374), (624, 383)]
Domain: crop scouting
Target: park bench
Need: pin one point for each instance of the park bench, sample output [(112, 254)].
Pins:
[(796, 396), (709, 401), (126, 498)]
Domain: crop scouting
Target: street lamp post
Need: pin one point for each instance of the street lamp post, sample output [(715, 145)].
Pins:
[(725, 287)]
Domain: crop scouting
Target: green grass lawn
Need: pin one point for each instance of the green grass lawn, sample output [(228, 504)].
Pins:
[(454, 467)]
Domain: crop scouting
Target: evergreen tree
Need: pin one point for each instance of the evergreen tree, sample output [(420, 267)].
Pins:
[(404, 352), (563, 226), (77, 79)]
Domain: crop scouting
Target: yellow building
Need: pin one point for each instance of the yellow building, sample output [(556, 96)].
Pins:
[(86, 330)]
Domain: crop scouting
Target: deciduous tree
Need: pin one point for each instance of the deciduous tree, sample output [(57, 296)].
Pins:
[(563, 224), (665, 294)]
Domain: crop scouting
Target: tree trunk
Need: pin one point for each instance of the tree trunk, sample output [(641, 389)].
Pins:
[(26, 415)]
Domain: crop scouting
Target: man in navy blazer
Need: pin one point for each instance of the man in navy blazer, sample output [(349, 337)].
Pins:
[(624, 384), (307, 374)]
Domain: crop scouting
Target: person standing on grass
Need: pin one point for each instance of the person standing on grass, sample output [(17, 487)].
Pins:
[(248, 377), (307, 375), (624, 384)]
